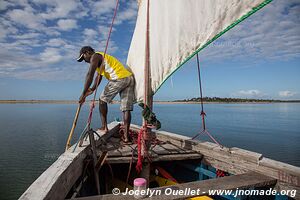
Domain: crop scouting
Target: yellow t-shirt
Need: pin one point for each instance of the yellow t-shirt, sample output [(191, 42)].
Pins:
[(113, 69)]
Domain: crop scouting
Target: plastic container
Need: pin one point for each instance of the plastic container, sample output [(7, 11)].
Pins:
[(140, 188)]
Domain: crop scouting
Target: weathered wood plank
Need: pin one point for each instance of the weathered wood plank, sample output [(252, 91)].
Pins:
[(95, 160), (242, 160), (59, 178), (64, 171), (118, 152), (113, 130), (101, 161), (169, 148), (155, 158), (237, 160), (243, 181), (249, 155), (287, 187)]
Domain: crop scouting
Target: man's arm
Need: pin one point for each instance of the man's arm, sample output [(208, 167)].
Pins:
[(97, 80), (95, 60), (99, 76)]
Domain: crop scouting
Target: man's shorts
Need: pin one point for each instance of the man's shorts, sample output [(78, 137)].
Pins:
[(125, 87)]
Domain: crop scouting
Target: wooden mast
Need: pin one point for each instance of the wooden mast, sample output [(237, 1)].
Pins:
[(148, 99), (148, 93)]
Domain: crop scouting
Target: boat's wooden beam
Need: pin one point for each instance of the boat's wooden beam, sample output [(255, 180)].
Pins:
[(237, 161), (242, 181), (104, 137), (101, 161), (59, 178), (127, 159)]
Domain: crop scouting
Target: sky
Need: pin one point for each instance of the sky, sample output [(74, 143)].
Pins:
[(40, 40)]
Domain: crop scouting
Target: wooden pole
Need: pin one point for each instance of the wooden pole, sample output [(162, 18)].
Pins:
[(148, 93), (148, 100), (93, 148), (68, 145)]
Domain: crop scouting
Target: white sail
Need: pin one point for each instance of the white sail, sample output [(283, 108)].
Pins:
[(177, 30)]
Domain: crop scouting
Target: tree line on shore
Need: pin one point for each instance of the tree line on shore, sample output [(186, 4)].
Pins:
[(238, 100)]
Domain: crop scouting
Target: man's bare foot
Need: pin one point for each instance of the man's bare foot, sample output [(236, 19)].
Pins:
[(127, 142), (103, 129)]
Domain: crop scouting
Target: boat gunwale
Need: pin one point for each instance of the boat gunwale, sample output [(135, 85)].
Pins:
[(233, 160)]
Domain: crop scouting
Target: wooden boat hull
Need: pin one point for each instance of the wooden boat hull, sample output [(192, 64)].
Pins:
[(248, 169)]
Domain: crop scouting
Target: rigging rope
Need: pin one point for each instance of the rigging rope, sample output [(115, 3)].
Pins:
[(203, 114), (201, 97), (92, 106)]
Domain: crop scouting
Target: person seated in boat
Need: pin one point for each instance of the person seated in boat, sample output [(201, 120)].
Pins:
[(120, 80)]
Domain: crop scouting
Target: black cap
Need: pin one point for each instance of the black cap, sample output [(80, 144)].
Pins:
[(83, 50)]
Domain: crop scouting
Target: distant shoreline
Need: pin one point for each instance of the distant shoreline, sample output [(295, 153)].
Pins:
[(155, 102)]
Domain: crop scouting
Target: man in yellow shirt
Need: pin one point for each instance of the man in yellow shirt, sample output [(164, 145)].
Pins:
[(120, 80)]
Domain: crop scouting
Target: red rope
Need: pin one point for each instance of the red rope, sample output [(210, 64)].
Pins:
[(139, 164), (144, 130), (201, 97), (166, 174), (110, 30), (221, 173), (203, 114), (211, 137), (98, 77), (138, 139)]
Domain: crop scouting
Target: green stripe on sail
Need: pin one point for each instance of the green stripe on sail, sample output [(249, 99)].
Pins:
[(255, 9)]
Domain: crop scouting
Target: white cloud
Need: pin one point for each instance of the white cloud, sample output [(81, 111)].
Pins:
[(90, 33), (254, 93), (47, 74), (274, 32), (3, 32), (28, 26), (101, 8), (98, 39), (15, 58), (128, 14), (56, 42), (4, 4), (67, 24), (51, 55), (25, 18), (287, 93), (61, 9), (274, 35), (26, 36)]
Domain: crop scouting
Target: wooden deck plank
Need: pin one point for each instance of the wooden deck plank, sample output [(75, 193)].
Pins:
[(242, 181), (155, 158), (120, 151), (169, 148), (116, 149)]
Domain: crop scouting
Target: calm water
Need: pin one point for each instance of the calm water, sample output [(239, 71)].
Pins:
[(32, 136)]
